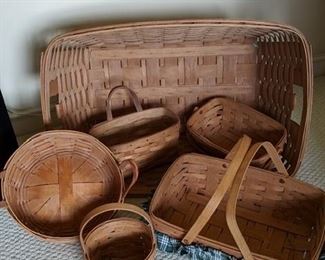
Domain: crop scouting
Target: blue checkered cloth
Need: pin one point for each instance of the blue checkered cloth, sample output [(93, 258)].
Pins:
[(322, 255), (195, 252)]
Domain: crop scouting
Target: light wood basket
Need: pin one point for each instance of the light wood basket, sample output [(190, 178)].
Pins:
[(120, 237), (178, 65), (244, 211), (56, 177), (149, 137), (221, 122)]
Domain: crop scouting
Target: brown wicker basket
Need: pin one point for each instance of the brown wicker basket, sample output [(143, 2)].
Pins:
[(148, 137), (179, 64), (118, 238), (277, 216), (221, 122), (55, 178)]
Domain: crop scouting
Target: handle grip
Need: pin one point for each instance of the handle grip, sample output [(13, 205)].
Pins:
[(234, 192), (241, 149), (131, 94), (134, 173)]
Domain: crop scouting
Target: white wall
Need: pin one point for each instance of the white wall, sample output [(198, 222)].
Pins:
[(26, 27)]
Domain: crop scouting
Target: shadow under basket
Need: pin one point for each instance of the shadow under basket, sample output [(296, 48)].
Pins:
[(278, 216), (221, 122), (120, 237)]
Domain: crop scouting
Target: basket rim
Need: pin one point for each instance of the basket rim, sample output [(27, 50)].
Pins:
[(220, 160), (109, 221), (209, 143), (99, 130), (178, 22)]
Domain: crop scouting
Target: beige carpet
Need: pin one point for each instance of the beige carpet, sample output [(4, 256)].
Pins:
[(15, 243)]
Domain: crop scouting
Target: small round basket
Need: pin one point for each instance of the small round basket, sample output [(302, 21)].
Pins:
[(118, 238), (148, 137), (55, 178), (220, 123)]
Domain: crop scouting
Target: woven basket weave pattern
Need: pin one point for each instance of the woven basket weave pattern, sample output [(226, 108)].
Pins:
[(148, 137), (220, 123), (279, 217), (178, 64), (122, 237), (56, 177)]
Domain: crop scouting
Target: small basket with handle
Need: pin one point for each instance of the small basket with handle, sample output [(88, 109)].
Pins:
[(264, 214), (119, 237), (148, 137)]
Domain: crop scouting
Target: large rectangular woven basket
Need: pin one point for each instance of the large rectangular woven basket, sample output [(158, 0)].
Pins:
[(179, 64)]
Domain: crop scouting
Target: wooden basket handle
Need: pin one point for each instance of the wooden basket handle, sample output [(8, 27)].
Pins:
[(114, 207), (3, 203), (47, 92), (234, 192), (240, 149), (131, 94), (134, 173)]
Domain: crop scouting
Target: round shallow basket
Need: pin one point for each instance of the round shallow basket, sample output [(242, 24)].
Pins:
[(55, 178), (221, 122), (120, 237), (149, 137)]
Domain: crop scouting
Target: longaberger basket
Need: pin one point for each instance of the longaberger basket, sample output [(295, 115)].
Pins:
[(148, 137), (244, 211), (56, 177), (178, 65), (120, 237), (221, 122)]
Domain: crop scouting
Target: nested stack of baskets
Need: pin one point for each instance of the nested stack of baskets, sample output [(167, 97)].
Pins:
[(238, 77), (179, 65)]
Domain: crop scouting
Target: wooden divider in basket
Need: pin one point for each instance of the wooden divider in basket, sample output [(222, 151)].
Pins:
[(56, 177), (179, 65)]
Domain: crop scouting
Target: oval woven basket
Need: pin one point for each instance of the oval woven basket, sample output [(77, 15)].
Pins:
[(148, 137), (221, 122), (118, 238), (244, 211), (56, 177)]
